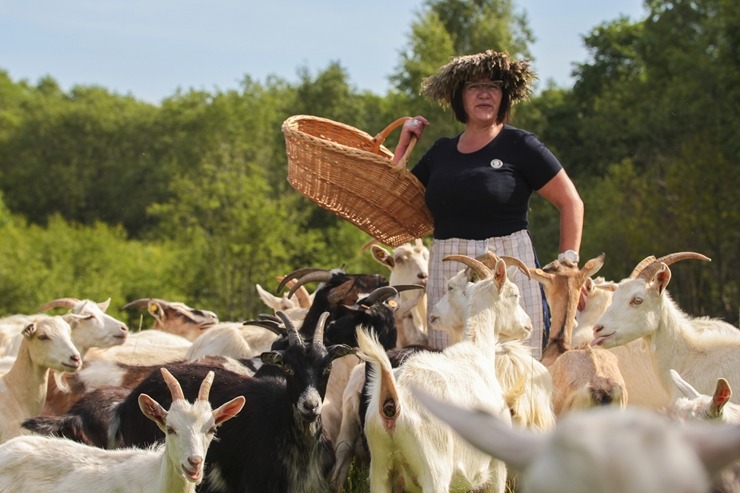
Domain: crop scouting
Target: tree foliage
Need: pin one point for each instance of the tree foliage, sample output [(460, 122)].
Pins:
[(106, 196)]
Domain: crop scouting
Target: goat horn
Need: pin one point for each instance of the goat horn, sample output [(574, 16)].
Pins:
[(172, 384), (140, 303), (293, 336), (296, 274), (304, 299), (406, 287), (517, 262), (648, 272), (379, 294), (488, 258), (270, 325), (477, 266), (639, 267), (205, 387), (406, 306), (59, 303), (318, 335), (316, 276)]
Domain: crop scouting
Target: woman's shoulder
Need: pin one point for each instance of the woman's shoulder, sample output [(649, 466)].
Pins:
[(515, 132)]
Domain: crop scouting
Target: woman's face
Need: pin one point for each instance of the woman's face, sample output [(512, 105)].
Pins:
[(482, 99)]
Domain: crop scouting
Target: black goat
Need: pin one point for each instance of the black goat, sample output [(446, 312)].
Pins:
[(277, 442), (338, 288)]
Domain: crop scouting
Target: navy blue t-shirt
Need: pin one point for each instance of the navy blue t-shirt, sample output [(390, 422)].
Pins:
[(484, 193)]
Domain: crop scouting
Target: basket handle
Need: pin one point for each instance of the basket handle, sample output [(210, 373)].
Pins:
[(380, 138)]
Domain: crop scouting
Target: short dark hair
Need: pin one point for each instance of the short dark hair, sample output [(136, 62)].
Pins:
[(504, 111)]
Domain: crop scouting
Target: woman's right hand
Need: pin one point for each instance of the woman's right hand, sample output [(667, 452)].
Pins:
[(411, 127)]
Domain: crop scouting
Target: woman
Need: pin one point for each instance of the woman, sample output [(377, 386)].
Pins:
[(478, 183)]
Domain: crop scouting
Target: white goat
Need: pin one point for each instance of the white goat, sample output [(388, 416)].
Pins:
[(38, 463), (146, 347), (409, 264), (601, 449), (715, 408), (232, 339), (93, 328), (642, 308), (598, 296), (634, 360), (47, 343), (526, 382), (694, 405), (397, 428)]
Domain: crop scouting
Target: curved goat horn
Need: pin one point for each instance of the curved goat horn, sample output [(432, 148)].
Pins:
[(318, 335), (140, 303), (407, 287), (172, 384), (293, 336), (517, 262), (379, 294), (648, 272), (270, 325), (59, 303), (296, 274), (205, 387), (477, 266), (318, 275), (639, 267)]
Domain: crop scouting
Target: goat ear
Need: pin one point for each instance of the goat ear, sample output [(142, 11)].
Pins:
[(662, 278), (592, 266), (382, 255), (541, 276), (227, 411), (272, 358), (499, 274), (73, 318), (29, 330), (339, 350), (153, 410), (722, 394), (269, 299)]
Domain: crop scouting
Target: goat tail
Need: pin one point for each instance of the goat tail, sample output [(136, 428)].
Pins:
[(381, 380)]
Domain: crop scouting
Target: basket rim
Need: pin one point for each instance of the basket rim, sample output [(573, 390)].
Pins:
[(290, 128)]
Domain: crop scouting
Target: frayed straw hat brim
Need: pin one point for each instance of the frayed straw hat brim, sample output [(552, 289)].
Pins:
[(516, 76)]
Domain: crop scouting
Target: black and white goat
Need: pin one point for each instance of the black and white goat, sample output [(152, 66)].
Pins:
[(277, 442), (36, 463)]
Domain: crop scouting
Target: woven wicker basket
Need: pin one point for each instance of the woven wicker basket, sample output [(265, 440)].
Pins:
[(349, 173)]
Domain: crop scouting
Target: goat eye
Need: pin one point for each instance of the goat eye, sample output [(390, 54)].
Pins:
[(287, 370), (327, 370), (212, 430), (171, 431), (636, 301), (44, 337)]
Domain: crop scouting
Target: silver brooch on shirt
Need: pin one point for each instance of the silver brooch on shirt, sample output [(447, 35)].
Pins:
[(496, 164)]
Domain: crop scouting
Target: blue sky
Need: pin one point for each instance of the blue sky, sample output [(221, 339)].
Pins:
[(150, 48)]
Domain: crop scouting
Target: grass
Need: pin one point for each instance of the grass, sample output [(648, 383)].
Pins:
[(358, 480)]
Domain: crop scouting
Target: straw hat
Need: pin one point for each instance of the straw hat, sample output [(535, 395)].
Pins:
[(496, 65)]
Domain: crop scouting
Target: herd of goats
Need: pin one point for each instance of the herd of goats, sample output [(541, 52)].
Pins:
[(631, 394)]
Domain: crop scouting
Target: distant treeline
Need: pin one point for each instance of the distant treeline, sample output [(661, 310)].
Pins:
[(107, 196)]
